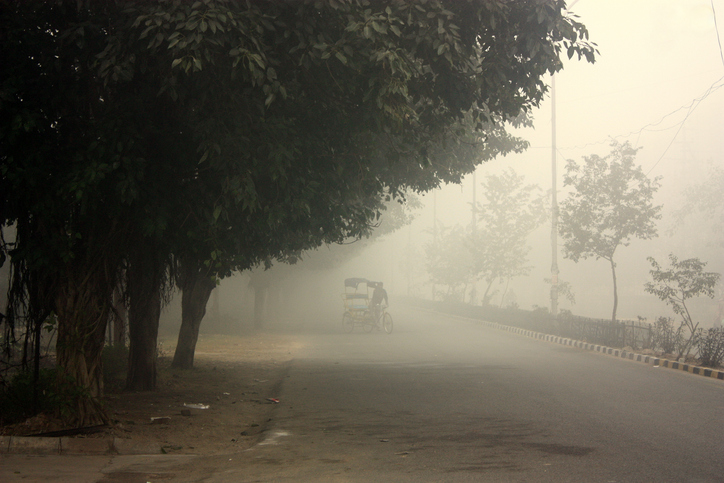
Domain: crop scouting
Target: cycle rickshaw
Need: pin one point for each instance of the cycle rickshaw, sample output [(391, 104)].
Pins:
[(358, 312)]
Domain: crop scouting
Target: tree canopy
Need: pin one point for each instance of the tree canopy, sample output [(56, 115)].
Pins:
[(232, 132), (449, 261), (509, 213), (610, 204), (494, 249)]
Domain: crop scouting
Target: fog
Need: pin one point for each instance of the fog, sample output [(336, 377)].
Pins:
[(656, 84)]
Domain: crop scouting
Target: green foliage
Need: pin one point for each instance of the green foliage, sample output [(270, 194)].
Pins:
[(511, 210), (23, 397), (449, 261), (666, 337), (495, 248), (238, 132), (610, 204), (710, 345), (232, 133), (681, 281)]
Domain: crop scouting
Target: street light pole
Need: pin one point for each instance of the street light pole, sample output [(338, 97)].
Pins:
[(554, 205), (554, 198), (434, 233), (475, 209)]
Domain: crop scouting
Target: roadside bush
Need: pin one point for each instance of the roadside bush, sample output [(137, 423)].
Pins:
[(711, 347), (21, 398), (665, 337)]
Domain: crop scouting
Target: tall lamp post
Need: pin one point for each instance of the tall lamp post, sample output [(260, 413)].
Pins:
[(554, 206), (554, 199)]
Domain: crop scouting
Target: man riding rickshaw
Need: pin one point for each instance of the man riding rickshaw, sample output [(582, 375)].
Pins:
[(363, 310)]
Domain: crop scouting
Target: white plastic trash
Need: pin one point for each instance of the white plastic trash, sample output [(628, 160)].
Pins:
[(196, 406)]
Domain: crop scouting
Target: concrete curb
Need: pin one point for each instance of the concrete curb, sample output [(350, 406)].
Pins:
[(77, 446), (621, 353)]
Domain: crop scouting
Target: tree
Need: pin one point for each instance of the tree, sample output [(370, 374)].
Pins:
[(271, 71), (56, 152), (236, 132), (676, 284), (511, 210), (393, 216), (706, 198), (611, 203), (449, 261)]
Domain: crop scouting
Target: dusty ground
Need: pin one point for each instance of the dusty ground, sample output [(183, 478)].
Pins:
[(237, 377)]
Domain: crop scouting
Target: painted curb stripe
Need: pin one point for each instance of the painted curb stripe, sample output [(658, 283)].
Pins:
[(655, 361)]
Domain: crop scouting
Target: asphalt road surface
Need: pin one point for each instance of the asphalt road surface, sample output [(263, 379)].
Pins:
[(443, 399)]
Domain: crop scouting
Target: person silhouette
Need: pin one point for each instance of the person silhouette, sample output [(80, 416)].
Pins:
[(378, 296)]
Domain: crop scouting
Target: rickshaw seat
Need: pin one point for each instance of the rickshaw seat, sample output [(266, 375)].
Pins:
[(357, 300)]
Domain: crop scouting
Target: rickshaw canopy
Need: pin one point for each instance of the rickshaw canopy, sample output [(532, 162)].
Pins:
[(354, 282)]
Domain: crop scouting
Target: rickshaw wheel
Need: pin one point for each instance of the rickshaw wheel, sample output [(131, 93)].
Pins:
[(387, 323), (347, 322)]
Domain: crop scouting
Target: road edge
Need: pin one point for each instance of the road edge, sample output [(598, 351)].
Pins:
[(654, 361)]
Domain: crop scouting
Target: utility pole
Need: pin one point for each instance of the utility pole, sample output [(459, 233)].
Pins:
[(475, 208), (554, 198), (474, 229), (409, 258), (554, 205), (434, 232)]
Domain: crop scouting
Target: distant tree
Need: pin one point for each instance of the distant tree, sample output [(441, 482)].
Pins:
[(706, 198), (611, 203), (511, 210), (681, 281), (449, 261)]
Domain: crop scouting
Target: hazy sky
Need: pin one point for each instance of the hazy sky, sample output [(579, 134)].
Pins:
[(657, 83)]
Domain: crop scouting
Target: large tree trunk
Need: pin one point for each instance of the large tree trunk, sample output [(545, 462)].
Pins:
[(82, 307), (196, 287), (145, 276)]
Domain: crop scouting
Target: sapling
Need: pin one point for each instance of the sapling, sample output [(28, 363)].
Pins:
[(678, 283)]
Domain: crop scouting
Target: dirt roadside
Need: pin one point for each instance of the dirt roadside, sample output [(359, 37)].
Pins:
[(222, 405)]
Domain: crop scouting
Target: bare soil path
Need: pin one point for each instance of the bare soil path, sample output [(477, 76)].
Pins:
[(235, 377), (222, 405)]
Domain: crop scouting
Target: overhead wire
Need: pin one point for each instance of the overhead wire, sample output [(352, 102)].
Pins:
[(716, 29), (691, 107)]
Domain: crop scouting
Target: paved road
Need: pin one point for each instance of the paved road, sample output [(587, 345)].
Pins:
[(444, 400)]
